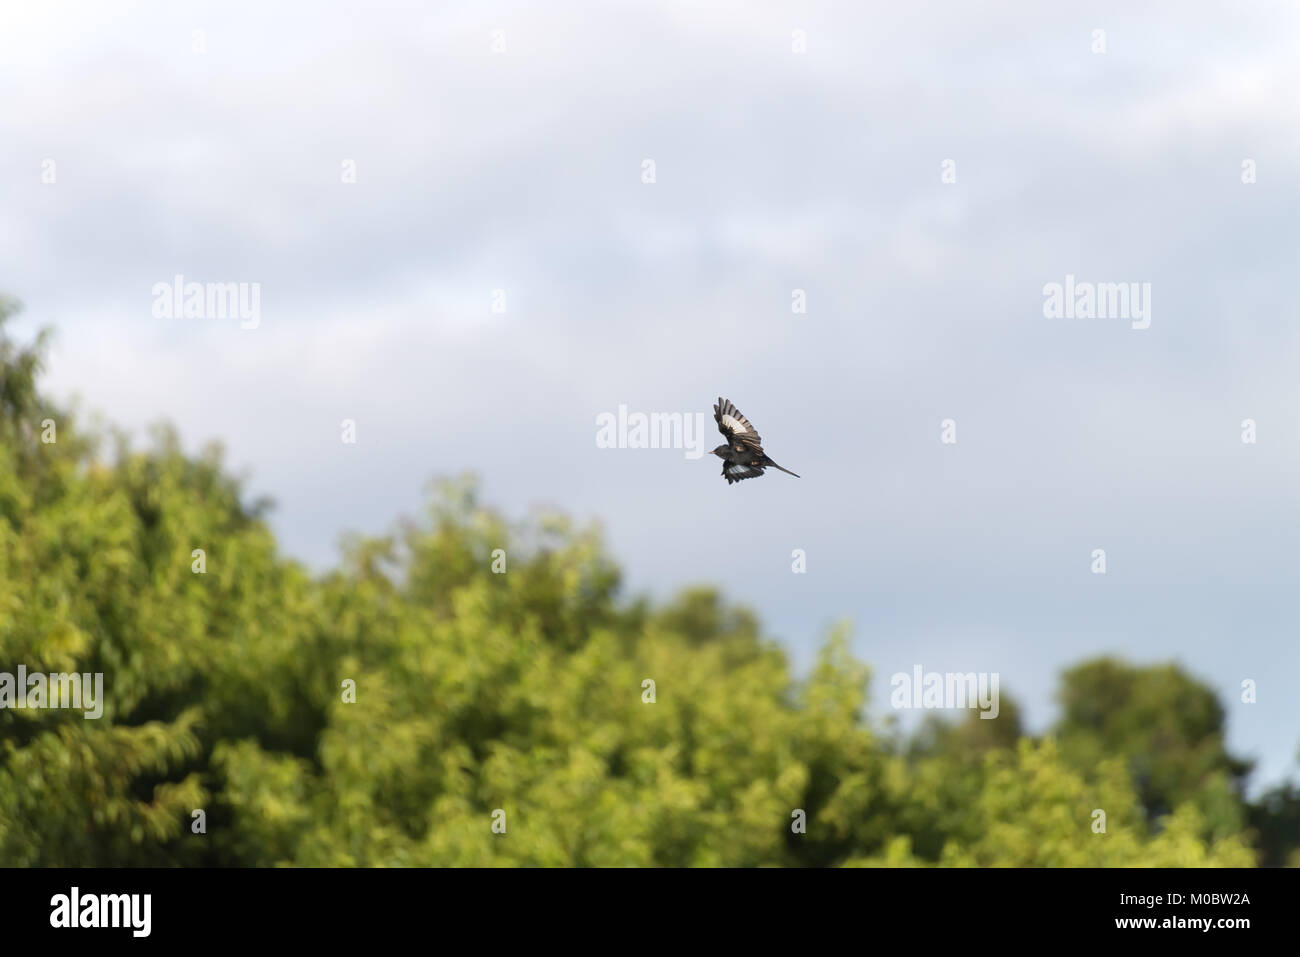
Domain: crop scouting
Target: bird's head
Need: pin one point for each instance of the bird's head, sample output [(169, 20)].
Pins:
[(721, 450)]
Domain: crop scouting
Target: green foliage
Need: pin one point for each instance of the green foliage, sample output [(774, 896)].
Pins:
[(523, 692), (1168, 729), (1276, 818)]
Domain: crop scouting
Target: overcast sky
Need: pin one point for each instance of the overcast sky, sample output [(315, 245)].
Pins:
[(502, 146)]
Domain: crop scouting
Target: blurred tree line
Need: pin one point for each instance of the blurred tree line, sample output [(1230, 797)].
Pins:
[(520, 691)]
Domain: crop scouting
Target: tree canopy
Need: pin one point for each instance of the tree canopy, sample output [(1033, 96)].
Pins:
[(472, 690)]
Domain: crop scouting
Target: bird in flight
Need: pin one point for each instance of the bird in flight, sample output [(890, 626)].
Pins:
[(743, 456)]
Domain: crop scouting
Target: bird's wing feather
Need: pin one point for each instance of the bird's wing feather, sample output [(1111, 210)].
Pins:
[(735, 426), (734, 472)]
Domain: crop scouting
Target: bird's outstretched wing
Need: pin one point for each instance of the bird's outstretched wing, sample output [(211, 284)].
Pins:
[(735, 426), (734, 472)]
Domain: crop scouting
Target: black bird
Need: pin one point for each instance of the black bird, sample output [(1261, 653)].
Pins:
[(743, 456)]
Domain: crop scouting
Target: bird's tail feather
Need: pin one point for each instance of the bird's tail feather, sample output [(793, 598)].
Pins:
[(785, 470)]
